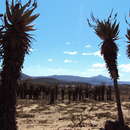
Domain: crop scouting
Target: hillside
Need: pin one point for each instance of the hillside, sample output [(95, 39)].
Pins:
[(95, 80)]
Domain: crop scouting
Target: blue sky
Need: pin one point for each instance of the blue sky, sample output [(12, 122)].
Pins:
[(64, 43)]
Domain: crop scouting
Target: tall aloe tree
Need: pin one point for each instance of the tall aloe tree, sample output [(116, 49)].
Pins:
[(15, 44), (108, 31)]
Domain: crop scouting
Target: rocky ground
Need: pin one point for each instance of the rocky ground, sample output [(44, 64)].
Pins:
[(88, 115)]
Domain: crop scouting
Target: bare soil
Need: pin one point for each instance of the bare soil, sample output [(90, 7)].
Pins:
[(88, 115)]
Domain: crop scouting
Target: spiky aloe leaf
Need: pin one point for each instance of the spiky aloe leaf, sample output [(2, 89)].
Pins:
[(8, 12), (20, 17), (128, 50), (128, 46), (105, 28), (128, 37), (23, 8), (29, 28), (6, 23), (30, 19)]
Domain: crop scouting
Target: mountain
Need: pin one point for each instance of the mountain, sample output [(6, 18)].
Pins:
[(42, 80), (95, 80)]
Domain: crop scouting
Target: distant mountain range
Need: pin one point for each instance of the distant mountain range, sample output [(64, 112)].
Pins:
[(95, 80)]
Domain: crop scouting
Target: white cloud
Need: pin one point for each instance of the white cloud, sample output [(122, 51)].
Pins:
[(70, 52), (38, 70), (69, 61), (68, 43), (34, 70), (93, 70), (124, 67), (84, 53), (32, 49), (88, 46), (97, 69), (98, 65), (50, 60), (97, 53)]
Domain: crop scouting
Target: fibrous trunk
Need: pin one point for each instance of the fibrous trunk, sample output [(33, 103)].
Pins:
[(12, 63), (118, 102)]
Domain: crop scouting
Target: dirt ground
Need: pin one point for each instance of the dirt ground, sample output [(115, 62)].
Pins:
[(89, 115)]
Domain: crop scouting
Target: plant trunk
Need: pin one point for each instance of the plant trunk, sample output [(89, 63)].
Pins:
[(8, 102), (118, 102)]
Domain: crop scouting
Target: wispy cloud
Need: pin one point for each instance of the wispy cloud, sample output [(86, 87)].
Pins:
[(98, 65), (69, 61), (97, 71), (85, 54), (38, 70), (50, 60), (70, 52), (67, 43), (98, 68), (93, 70), (88, 46), (32, 49), (97, 53), (124, 67)]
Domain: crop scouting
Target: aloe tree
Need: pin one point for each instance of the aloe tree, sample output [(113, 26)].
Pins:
[(15, 43), (108, 31)]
